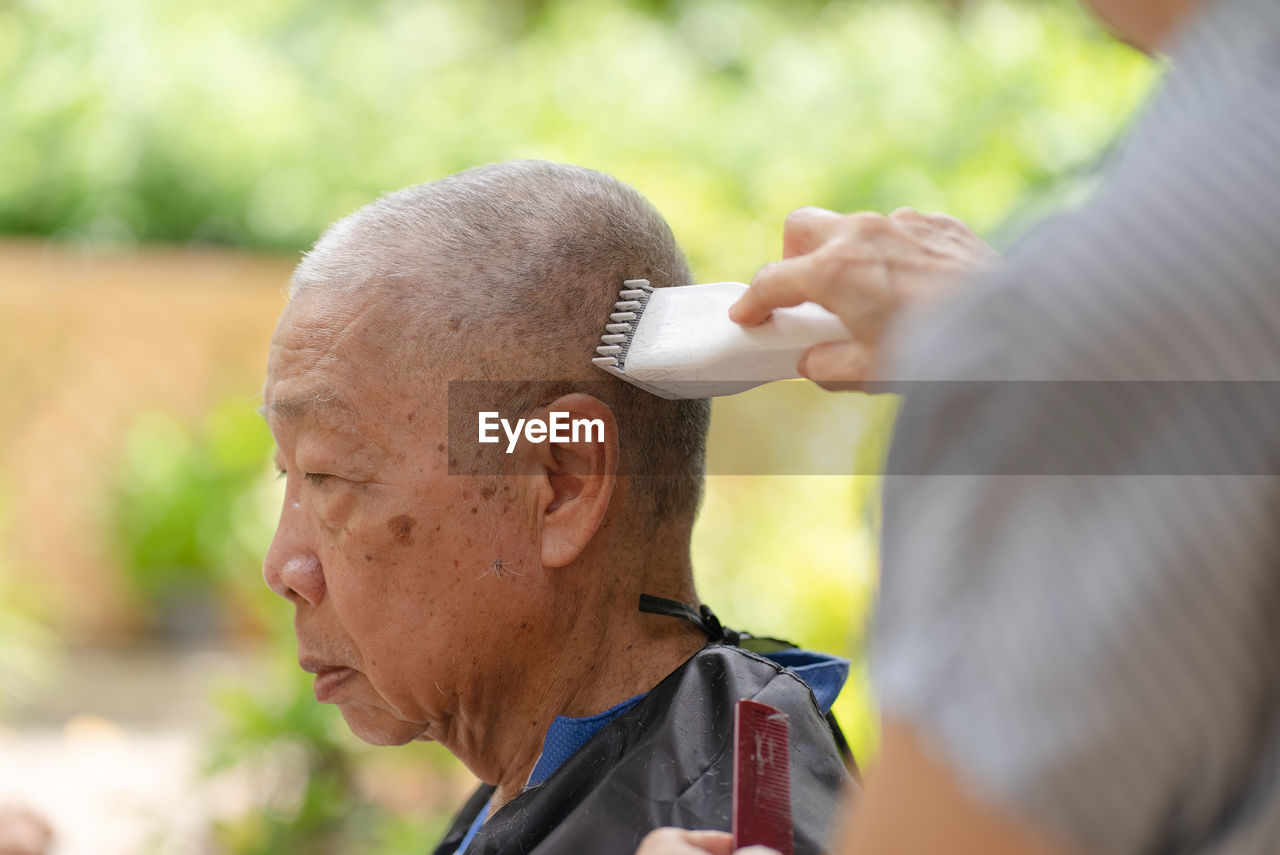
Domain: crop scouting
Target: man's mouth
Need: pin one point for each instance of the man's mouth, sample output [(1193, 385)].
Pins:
[(329, 678)]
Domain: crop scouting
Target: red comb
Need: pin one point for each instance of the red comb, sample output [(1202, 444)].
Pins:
[(761, 779)]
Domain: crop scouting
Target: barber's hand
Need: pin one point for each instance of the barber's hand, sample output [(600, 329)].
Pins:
[(677, 841), (23, 832), (867, 269)]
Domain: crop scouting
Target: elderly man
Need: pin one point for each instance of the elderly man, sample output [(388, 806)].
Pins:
[(494, 610)]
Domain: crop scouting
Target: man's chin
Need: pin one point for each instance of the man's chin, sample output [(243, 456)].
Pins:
[(379, 728)]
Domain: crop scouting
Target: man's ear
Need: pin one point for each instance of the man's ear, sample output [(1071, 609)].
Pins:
[(579, 468)]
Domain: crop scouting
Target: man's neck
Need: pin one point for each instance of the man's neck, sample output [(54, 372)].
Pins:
[(599, 652)]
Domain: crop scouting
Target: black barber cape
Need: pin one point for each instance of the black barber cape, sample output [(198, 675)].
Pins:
[(667, 761)]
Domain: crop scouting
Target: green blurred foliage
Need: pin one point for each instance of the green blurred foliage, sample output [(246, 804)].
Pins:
[(312, 801), (257, 123), (30, 649), (796, 556), (189, 511)]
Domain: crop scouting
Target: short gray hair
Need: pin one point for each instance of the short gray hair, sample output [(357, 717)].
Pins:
[(527, 257)]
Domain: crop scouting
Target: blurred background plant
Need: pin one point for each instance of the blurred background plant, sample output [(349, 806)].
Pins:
[(164, 162), (188, 512), (29, 647)]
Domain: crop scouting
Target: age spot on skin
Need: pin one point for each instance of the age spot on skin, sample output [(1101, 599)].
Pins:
[(487, 492), (401, 528)]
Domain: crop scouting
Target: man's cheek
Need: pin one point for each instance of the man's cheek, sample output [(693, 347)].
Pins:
[(334, 508), (373, 557), (368, 532)]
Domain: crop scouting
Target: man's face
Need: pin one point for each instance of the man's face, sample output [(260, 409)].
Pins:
[(387, 559)]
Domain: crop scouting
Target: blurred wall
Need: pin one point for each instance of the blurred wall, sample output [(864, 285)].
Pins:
[(88, 340)]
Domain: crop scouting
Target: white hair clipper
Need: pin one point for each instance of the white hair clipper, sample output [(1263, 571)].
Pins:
[(678, 342)]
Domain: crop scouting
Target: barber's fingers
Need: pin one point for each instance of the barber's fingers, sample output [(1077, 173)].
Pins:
[(850, 280), (678, 841), (711, 842), (908, 214), (806, 229), (936, 220), (946, 239), (837, 366), (930, 229), (778, 284)]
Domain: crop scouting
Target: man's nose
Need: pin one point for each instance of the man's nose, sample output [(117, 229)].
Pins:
[(292, 569)]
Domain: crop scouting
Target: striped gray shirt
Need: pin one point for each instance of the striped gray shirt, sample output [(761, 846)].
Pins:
[(1082, 613)]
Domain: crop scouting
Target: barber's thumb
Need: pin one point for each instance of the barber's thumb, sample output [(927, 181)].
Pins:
[(836, 365)]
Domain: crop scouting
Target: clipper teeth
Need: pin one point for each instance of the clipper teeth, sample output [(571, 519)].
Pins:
[(617, 333)]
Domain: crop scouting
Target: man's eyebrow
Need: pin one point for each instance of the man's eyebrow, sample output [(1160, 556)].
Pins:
[(295, 407)]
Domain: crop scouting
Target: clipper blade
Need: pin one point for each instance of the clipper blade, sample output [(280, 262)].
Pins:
[(616, 340)]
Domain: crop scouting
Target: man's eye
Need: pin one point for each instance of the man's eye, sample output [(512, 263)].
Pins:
[(317, 477)]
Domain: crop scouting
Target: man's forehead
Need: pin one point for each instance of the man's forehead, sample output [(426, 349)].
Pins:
[(349, 361), (293, 406), (321, 343)]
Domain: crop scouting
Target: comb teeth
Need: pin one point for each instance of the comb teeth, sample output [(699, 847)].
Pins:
[(632, 299)]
